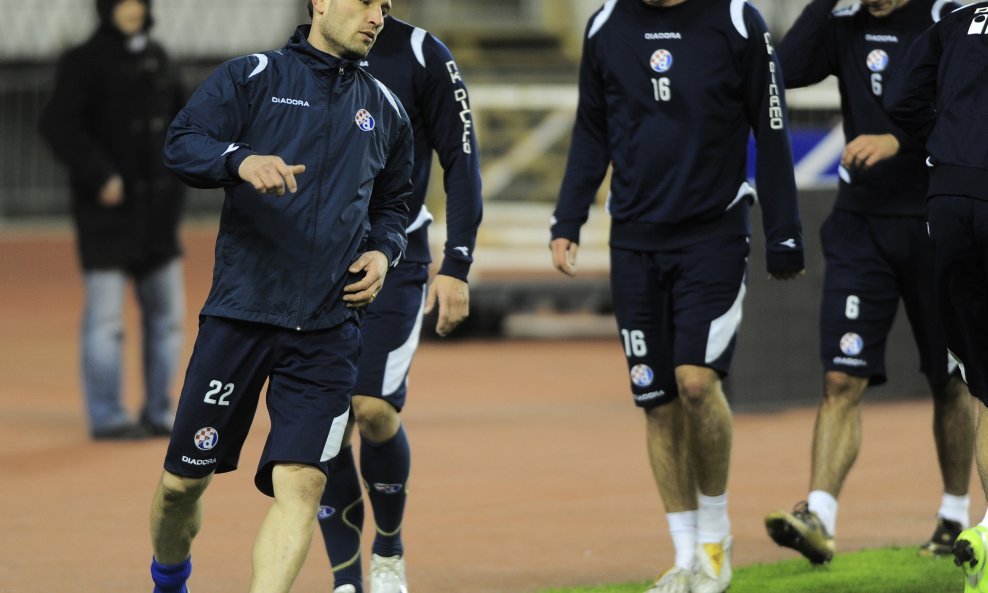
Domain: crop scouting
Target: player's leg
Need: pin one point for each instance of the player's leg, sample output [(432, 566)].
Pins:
[(708, 294), (341, 517), (222, 385), (308, 402), (953, 407), (176, 516), (642, 309), (161, 294), (102, 352), (286, 532), (860, 298)]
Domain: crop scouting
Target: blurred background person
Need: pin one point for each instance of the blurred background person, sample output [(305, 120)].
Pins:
[(113, 100)]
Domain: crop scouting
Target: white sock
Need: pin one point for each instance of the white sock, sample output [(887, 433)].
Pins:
[(682, 527), (984, 522), (956, 508), (825, 506), (713, 524)]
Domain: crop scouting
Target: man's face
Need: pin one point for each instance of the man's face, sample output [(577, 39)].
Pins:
[(883, 8), (350, 27), (129, 16)]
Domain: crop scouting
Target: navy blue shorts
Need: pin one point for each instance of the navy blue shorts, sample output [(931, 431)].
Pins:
[(310, 378), (391, 330), (676, 308), (959, 227), (872, 262)]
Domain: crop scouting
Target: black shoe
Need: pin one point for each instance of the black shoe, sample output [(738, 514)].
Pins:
[(156, 429), (942, 541), (122, 432), (802, 531)]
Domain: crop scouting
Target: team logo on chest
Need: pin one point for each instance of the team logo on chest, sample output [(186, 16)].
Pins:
[(661, 60), (878, 60), (364, 120)]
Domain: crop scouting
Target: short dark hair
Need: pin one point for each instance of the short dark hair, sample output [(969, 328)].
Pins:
[(310, 8)]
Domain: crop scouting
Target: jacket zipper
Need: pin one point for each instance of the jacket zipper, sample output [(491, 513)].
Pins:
[(327, 151)]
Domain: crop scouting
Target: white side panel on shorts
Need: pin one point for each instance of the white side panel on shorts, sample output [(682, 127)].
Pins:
[(399, 361), (332, 447), (724, 327), (423, 217)]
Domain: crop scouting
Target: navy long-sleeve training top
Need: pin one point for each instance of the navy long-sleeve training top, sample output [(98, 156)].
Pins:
[(422, 72), (940, 97), (863, 52), (668, 96)]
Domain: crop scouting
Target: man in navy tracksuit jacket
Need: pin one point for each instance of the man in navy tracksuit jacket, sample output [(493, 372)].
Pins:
[(877, 252), (669, 92), (422, 72), (939, 97), (315, 158)]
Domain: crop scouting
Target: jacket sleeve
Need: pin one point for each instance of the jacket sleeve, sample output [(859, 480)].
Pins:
[(65, 127), (808, 52), (202, 146), (765, 104), (910, 94), (445, 107), (589, 151), (388, 207)]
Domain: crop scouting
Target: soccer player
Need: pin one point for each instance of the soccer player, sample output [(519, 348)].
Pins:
[(669, 91), (315, 156), (877, 252), (421, 71), (939, 97)]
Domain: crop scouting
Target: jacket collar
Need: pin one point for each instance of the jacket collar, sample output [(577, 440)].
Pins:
[(320, 61)]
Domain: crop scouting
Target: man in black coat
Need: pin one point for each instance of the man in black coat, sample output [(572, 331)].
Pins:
[(113, 100)]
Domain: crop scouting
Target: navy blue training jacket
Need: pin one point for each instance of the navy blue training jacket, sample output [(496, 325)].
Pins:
[(941, 96), (282, 260), (422, 72), (864, 51), (669, 96)]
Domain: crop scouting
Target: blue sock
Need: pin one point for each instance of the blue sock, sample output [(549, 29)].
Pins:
[(385, 468), (341, 519), (170, 578)]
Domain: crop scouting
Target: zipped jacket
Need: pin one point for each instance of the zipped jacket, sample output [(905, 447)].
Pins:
[(282, 260)]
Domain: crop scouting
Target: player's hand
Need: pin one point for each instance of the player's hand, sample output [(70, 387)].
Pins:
[(269, 174), (564, 255), (112, 192), (786, 275), (374, 265), (453, 295), (867, 149)]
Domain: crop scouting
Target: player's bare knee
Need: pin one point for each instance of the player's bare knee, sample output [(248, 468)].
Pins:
[(179, 490), (377, 419), (298, 482), (841, 388), (696, 388)]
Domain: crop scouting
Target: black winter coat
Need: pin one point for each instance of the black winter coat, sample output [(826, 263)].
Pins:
[(108, 115)]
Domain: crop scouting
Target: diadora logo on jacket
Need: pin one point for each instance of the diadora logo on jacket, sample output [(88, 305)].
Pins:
[(290, 101)]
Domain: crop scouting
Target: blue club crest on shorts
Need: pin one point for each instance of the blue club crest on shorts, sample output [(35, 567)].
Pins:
[(206, 438), (365, 121), (878, 60), (851, 344), (642, 375), (661, 60), (325, 512)]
